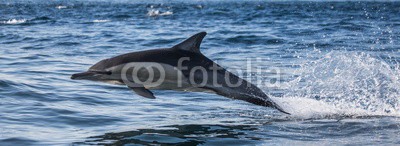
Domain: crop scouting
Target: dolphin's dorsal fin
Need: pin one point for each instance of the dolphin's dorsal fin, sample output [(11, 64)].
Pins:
[(191, 44)]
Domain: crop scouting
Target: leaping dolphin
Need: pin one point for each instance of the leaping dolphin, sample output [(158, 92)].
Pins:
[(182, 67)]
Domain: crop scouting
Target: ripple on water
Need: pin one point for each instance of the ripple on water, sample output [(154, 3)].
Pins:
[(68, 44), (18, 141), (180, 135), (253, 39), (4, 84)]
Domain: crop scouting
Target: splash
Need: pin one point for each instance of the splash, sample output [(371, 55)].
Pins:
[(343, 84)]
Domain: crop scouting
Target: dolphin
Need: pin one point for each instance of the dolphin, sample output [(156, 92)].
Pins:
[(182, 68)]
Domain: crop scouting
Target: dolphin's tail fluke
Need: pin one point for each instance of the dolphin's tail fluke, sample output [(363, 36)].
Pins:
[(265, 102), (260, 99), (279, 108)]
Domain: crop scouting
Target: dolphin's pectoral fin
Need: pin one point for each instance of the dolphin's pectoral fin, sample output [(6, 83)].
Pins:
[(143, 92)]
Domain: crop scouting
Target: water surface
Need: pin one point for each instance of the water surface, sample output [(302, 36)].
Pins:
[(336, 70)]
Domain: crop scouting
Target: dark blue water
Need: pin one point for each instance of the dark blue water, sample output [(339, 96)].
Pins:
[(335, 67)]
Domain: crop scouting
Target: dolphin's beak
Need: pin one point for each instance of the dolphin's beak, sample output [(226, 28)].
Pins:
[(83, 75)]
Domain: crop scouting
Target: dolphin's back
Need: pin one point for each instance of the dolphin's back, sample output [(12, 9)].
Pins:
[(157, 55)]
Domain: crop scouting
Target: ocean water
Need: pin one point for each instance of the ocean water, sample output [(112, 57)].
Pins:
[(335, 66)]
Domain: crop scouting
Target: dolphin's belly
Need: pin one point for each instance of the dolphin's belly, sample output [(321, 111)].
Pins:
[(185, 86), (115, 82)]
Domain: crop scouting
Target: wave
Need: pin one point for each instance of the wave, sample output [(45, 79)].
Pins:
[(41, 19), (343, 84), (61, 7), (122, 16), (101, 20), (154, 12), (36, 20), (14, 21), (18, 141)]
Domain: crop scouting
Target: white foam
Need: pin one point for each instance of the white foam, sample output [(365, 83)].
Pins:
[(101, 21), (343, 84), (14, 21), (61, 7), (154, 12), (306, 108)]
